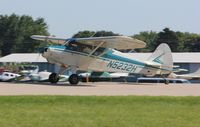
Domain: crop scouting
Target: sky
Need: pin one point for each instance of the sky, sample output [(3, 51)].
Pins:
[(127, 17)]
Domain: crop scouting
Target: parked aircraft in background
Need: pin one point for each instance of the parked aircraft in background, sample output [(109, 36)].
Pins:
[(8, 76), (35, 76), (194, 75), (42, 76), (28, 69), (178, 69), (101, 54)]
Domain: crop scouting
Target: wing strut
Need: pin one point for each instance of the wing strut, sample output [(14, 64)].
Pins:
[(99, 45)]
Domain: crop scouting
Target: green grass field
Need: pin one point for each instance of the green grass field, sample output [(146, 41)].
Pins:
[(92, 111)]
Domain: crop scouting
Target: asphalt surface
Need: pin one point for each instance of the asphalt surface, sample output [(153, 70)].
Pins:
[(99, 89)]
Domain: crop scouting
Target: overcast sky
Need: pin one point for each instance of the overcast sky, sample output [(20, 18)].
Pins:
[(127, 17)]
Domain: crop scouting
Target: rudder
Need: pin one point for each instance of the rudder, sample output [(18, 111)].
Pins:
[(162, 56)]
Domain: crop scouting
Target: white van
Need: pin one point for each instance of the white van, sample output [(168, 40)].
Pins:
[(161, 80)]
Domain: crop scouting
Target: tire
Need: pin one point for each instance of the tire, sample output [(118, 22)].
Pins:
[(74, 79), (166, 82), (53, 78)]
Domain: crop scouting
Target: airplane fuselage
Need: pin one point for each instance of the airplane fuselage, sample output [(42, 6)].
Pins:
[(109, 60)]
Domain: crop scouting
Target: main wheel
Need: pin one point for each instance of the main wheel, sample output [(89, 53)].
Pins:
[(73, 79), (53, 77), (166, 82)]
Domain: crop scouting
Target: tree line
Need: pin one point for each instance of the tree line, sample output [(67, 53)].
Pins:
[(178, 41), (15, 32)]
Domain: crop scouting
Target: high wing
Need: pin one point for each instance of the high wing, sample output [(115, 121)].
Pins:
[(50, 39), (115, 42)]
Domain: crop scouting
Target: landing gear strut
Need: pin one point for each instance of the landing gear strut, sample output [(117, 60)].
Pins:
[(74, 79), (53, 77)]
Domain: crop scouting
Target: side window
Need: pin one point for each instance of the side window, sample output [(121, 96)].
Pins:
[(178, 81), (147, 81), (76, 46), (99, 51), (6, 74), (162, 81), (86, 49), (153, 81), (73, 46)]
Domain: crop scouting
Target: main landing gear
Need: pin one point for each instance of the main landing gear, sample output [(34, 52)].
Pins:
[(166, 81), (53, 77), (73, 78)]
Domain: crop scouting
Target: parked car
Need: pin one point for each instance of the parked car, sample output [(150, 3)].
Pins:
[(161, 80)]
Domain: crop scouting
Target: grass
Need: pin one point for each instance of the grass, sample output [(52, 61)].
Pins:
[(92, 111)]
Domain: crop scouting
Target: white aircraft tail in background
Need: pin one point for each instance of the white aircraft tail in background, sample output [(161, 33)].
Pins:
[(194, 75)]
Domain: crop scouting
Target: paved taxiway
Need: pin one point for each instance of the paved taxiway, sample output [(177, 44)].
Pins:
[(100, 88)]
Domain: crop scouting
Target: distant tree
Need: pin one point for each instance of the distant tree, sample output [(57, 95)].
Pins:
[(148, 38), (15, 32), (181, 37), (82, 34), (86, 33), (168, 36), (178, 41), (105, 33), (192, 43)]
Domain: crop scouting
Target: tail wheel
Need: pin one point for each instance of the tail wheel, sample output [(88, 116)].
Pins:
[(53, 77), (74, 79)]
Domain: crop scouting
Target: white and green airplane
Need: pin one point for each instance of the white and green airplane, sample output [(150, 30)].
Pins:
[(102, 54)]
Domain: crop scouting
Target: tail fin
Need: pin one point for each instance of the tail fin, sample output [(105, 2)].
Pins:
[(162, 57)]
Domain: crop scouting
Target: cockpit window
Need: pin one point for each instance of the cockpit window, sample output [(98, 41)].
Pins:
[(6, 74), (75, 46)]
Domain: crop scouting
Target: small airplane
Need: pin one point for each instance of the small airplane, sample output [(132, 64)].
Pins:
[(194, 75), (176, 68), (36, 76), (8, 76), (42, 76), (102, 54)]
